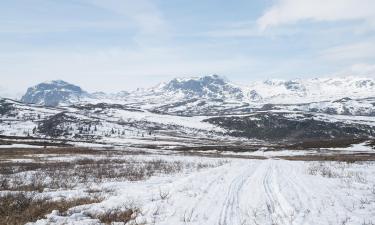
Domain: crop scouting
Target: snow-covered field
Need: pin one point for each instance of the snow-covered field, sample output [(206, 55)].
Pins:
[(246, 192), (209, 190)]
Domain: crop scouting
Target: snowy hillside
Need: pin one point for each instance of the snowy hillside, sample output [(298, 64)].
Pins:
[(123, 124), (103, 123)]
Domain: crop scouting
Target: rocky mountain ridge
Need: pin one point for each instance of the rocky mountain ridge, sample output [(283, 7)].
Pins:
[(215, 95)]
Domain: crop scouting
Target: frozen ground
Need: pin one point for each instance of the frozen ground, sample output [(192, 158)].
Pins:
[(227, 191)]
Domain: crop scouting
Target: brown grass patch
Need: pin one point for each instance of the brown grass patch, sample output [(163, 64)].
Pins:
[(119, 215), (65, 175), (349, 158), (20, 208)]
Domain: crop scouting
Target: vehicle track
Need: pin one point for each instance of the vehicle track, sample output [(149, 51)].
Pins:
[(231, 211)]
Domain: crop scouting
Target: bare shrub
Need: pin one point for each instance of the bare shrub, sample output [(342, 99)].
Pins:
[(124, 214), (346, 220), (4, 183), (21, 208), (322, 169), (363, 202), (47, 174), (164, 194), (336, 170), (188, 216)]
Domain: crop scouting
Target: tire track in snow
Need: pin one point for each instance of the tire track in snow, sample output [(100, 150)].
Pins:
[(305, 201), (217, 201), (231, 211), (224, 197), (277, 205)]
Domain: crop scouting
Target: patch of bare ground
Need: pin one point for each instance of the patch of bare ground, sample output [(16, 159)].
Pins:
[(16, 152), (325, 143), (353, 157), (220, 148), (21, 208), (227, 155), (371, 143), (7, 154)]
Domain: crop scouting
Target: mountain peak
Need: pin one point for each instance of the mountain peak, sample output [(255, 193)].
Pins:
[(212, 86), (57, 82), (52, 93)]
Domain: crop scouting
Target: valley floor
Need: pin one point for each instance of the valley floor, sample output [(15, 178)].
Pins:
[(217, 191)]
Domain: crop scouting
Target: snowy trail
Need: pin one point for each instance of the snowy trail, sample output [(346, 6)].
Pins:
[(259, 192), (246, 192)]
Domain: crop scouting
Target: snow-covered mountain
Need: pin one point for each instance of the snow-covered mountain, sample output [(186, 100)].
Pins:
[(311, 90), (204, 87), (215, 95), (213, 88), (53, 93)]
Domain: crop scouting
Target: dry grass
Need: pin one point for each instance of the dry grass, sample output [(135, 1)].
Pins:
[(90, 167), (348, 158), (21, 208), (123, 215), (56, 175), (342, 170)]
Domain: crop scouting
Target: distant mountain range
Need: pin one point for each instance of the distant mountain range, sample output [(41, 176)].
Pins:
[(210, 106), (212, 87)]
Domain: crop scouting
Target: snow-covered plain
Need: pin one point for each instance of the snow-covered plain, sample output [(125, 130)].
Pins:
[(241, 191)]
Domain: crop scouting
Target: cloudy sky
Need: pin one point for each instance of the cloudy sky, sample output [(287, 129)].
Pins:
[(114, 45)]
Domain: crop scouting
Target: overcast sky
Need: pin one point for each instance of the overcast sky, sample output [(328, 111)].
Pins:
[(114, 45)]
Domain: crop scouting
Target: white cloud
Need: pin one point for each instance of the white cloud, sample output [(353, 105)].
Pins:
[(45, 26), (357, 69), (292, 11), (112, 69), (356, 51), (363, 69), (143, 13), (232, 32), (143, 16)]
